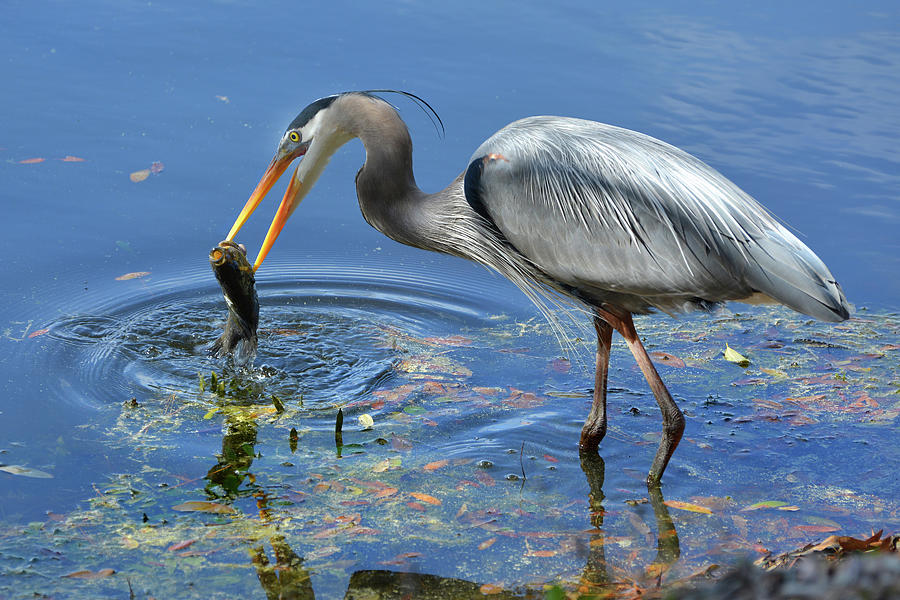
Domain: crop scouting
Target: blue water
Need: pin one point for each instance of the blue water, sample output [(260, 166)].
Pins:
[(794, 102)]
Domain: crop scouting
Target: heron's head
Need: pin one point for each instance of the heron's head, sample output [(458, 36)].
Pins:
[(315, 133)]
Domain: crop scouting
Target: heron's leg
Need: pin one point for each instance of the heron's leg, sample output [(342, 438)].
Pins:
[(595, 426), (673, 420)]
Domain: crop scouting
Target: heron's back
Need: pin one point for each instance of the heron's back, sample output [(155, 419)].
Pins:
[(623, 218)]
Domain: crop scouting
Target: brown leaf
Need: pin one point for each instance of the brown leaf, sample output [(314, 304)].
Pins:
[(816, 528), (416, 506), (139, 176), (549, 458), (664, 358), (180, 545), (34, 334), (561, 365), (31, 161), (490, 589), (90, 574), (434, 466)]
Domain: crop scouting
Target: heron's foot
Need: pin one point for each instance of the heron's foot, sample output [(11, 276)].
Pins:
[(591, 435)]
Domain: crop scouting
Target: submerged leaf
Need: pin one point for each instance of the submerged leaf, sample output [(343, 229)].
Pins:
[(765, 504), (732, 355), (204, 506), (91, 574), (687, 506), (425, 498), (25, 471)]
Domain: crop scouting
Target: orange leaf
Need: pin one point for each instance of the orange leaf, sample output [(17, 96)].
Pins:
[(416, 506), (487, 543), (425, 498), (543, 553), (139, 176), (32, 161), (550, 458), (38, 332), (135, 275), (71, 159), (434, 466), (390, 491), (489, 589)]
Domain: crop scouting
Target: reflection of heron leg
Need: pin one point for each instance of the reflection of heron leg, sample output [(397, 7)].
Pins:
[(595, 572), (667, 550), (289, 579), (673, 420), (595, 426)]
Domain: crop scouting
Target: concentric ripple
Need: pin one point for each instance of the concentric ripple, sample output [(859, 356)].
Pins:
[(323, 332)]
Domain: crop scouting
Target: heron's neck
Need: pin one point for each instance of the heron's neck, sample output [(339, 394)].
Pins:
[(388, 195)]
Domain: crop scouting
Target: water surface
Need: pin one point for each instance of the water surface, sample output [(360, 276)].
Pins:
[(471, 472)]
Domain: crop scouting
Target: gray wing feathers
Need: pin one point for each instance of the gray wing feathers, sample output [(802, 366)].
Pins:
[(626, 218)]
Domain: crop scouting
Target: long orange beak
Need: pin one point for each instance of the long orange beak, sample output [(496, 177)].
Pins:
[(275, 170)]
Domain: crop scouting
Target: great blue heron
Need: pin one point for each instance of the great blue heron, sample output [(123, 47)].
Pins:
[(610, 218)]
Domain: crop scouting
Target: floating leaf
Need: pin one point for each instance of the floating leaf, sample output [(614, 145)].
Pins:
[(204, 506), (134, 275), (157, 167), (549, 458), (31, 161), (490, 589), (561, 365), (139, 176), (687, 506), (366, 421), (25, 471), (425, 498), (732, 355), (35, 334), (209, 414), (226, 101), (91, 574), (765, 504), (71, 159)]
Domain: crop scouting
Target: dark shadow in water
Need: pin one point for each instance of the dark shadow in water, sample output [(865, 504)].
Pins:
[(233, 466), (287, 578)]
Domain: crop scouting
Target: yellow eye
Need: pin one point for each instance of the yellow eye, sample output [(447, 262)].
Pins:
[(294, 136)]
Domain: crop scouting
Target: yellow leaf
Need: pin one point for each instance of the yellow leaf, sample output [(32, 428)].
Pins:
[(774, 373), (366, 421), (732, 355), (687, 506), (139, 176)]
